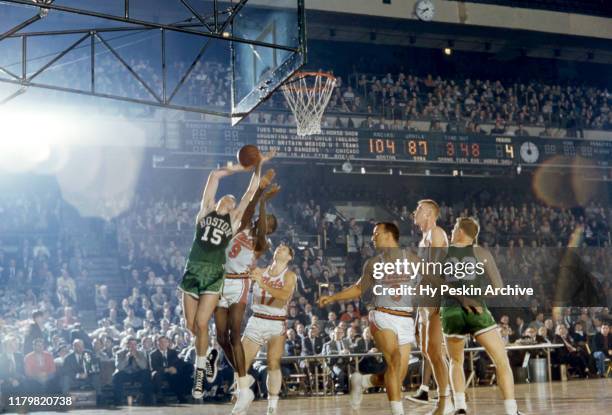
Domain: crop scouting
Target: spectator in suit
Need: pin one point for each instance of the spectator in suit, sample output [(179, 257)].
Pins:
[(579, 336), (338, 366), (313, 344), (131, 366), (570, 354), (370, 364), (602, 348), (39, 368), (34, 331), (520, 328), (331, 323), (80, 368), (166, 366), (11, 369), (293, 345)]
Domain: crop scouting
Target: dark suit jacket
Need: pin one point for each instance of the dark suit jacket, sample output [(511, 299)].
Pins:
[(598, 343), (157, 360), (293, 348), (310, 347), (71, 368)]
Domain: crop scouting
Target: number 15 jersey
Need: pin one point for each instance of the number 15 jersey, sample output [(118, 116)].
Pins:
[(212, 236)]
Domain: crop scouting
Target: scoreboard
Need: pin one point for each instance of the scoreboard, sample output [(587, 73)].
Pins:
[(341, 144)]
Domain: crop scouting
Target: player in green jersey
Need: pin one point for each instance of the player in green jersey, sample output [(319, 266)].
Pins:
[(469, 315), (216, 223)]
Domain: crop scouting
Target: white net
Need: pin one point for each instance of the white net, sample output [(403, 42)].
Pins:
[(308, 94)]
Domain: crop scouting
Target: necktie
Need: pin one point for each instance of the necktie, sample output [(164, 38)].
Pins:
[(165, 360)]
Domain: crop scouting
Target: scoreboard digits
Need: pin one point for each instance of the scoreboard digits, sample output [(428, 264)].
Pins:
[(216, 139)]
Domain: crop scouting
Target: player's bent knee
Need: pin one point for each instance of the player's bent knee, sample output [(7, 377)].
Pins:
[(201, 327)]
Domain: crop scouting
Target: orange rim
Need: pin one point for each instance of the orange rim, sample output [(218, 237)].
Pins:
[(303, 74)]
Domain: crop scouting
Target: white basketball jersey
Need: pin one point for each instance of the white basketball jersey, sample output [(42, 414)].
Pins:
[(263, 302), (240, 253)]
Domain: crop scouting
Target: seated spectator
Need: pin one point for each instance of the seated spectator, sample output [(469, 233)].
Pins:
[(80, 368), (350, 313), (570, 354), (11, 369), (578, 335), (132, 320), (602, 348), (167, 367), (331, 323), (313, 343), (39, 369), (521, 131), (131, 365), (338, 366)]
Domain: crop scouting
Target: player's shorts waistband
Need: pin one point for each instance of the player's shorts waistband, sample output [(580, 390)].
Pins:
[(240, 276), (399, 313), (269, 317)]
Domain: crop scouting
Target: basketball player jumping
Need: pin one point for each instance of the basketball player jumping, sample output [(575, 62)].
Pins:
[(272, 290), (391, 318), (249, 243), (460, 318), (432, 247), (202, 281)]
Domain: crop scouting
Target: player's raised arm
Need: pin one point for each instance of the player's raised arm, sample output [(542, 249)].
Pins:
[(238, 212), (352, 292), (261, 242), (284, 293), (212, 184)]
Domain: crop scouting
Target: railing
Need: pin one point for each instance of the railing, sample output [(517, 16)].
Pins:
[(355, 358)]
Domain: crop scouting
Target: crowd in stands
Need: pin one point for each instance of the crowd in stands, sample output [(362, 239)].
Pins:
[(390, 101), (141, 338)]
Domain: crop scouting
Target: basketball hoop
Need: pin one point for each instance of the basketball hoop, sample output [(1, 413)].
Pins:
[(307, 94)]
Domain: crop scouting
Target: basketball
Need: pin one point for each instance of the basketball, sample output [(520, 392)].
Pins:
[(248, 155)]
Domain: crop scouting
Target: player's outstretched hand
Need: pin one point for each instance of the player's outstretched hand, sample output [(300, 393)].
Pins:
[(256, 274), (267, 178), (268, 156), (271, 192), (325, 300)]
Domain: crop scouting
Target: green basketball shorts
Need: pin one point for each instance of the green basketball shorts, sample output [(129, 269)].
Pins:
[(202, 278), (456, 322)]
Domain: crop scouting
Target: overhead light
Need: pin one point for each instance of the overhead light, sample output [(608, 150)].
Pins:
[(225, 34), (448, 51)]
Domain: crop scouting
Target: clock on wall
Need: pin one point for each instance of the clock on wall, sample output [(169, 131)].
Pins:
[(424, 10), (529, 152)]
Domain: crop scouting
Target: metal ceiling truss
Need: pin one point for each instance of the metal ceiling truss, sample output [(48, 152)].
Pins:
[(211, 27)]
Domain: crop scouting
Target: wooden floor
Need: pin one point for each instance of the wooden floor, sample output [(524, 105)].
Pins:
[(577, 397)]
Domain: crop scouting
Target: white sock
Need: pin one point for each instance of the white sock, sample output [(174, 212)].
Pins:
[(424, 388), (236, 376), (200, 362), (366, 381), (446, 391), (273, 401), (460, 401), (510, 407), (396, 408), (274, 382), (243, 382)]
